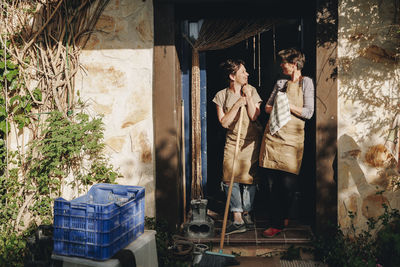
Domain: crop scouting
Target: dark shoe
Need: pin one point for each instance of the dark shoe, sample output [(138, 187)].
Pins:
[(234, 228), (271, 232), (248, 222)]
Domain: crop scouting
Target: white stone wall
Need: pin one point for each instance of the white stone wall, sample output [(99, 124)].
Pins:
[(116, 82), (368, 100)]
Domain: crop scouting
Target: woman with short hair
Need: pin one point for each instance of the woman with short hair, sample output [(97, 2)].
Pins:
[(290, 104), (228, 103)]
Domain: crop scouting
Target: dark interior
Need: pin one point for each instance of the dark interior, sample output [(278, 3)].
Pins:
[(296, 28)]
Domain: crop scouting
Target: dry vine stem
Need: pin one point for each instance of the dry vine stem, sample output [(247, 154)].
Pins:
[(46, 37), (47, 41)]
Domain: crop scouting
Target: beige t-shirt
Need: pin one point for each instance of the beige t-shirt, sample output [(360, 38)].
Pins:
[(226, 98), (247, 158)]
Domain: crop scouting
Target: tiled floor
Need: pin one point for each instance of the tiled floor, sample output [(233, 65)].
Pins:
[(298, 234), (252, 249)]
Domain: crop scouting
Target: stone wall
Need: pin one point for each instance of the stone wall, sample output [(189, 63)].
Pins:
[(116, 82), (368, 100)]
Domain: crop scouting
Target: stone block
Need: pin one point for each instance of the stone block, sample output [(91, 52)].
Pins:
[(116, 143)]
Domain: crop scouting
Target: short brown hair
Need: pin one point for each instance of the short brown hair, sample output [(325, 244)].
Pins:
[(231, 66), (293, 56)]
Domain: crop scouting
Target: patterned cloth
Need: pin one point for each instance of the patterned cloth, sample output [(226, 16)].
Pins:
[(280, 114)]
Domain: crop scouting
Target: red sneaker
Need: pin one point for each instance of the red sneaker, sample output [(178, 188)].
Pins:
[(271, 232)]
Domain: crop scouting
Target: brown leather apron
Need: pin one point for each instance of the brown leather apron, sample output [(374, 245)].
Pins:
[(284, 150), (249, 144)]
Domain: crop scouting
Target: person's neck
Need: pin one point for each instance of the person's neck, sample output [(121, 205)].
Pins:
[(296, 76), (235, 88)]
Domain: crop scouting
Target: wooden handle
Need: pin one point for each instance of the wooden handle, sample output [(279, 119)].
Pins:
[(228, 199), (183, 159)]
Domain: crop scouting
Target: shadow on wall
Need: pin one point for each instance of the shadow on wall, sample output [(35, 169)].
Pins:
[(327, 36), (368, 68), (124, 24), (327, 188), (327, 15), (357, 197), (168, 179), (369, 86)]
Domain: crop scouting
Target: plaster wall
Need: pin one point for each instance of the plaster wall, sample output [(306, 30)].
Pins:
[(368, 101), (116, 82)]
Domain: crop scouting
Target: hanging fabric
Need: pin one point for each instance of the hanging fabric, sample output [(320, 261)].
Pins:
[(223, 33), (214, 34)]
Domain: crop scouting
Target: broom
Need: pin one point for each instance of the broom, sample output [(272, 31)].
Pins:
[(216, 259)]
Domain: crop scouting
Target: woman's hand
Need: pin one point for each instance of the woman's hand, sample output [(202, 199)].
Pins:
[(241, 102), (226, 119), (253, 109), (296, 110), (246, 90), (268, 109)]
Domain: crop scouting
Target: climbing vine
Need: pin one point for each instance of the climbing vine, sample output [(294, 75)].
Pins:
[(47, 140)]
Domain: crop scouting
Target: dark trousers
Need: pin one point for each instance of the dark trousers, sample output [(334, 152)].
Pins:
[(284, 195)]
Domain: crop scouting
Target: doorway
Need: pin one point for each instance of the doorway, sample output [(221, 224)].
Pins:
[(259, 53)]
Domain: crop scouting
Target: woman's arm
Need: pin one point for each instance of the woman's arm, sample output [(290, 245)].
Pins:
[(307, 110), (253, 109), (296, 110), (226, 119)]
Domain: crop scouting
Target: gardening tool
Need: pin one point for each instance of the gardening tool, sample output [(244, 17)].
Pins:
[(218, 258)]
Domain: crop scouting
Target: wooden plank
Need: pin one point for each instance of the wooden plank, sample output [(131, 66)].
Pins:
[(166, 103)]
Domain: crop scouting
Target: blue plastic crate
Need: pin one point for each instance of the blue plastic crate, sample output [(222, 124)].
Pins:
[(100, 223)]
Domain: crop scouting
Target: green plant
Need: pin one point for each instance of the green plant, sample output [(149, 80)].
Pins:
[(37, 92), (378, 244), (68, 146), (292, 253), (14, 92), (388, 241), (12, 249), (12, 243), (164, 240)]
